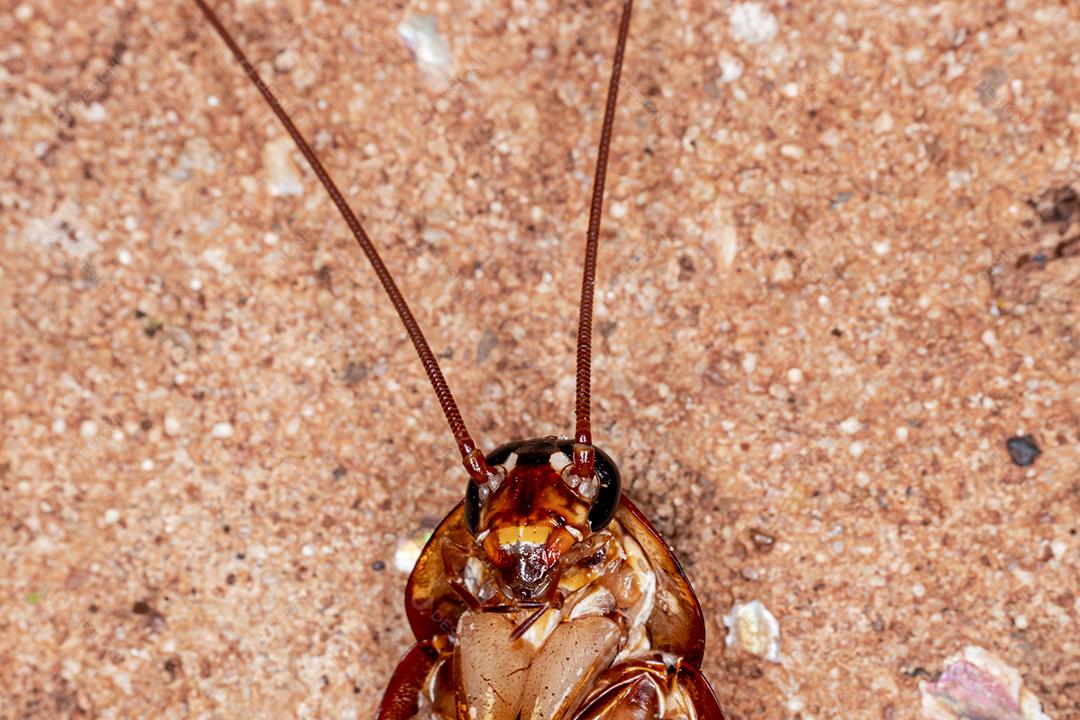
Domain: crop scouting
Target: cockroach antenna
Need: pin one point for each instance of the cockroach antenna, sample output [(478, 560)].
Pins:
[(471, 457), (584, 453)]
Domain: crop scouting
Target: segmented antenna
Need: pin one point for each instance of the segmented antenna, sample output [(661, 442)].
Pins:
[(472, 458), (583, 452)]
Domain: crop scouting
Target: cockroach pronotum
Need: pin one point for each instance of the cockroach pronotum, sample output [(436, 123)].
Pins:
[(545, 593)]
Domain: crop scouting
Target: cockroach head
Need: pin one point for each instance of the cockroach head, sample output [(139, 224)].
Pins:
[(534, 508)]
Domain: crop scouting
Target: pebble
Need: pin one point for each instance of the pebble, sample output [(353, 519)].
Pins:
[(112, 516), (282, 176), (752, 23), (222, 430), (88, 429), (751, 627), (731, 68), (794, 152), (883, 123), (977, 683), (795, 376), (172, 426), (430, 49), (850, 426), (729, 244), (1023, 450), (783, 272)]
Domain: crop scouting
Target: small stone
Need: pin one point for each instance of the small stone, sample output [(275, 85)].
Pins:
[(172, 426), (752, 23), (749, 362), (978, 684), (420, 33), (783, 272), (857, 449), (729, 244), (751, 627), (794, 375), (1023, 450), (794, 152), (88, 429), (285, 61), (282, 176), (850, 426), (222, 430), (731, 68), (763, 541), (112, 516), (883, 123)]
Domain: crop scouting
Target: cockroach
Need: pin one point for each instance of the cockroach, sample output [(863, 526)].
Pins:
[(545, 593)]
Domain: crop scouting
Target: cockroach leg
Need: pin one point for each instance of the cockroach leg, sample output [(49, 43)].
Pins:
[(453, 579)]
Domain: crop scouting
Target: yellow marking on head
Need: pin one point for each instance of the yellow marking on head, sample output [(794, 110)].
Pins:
[(536, 534)]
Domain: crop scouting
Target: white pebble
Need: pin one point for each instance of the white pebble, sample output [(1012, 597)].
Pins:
[(749, 362), (857, 449), (989, 339), (794, 376), (850, 426), (752, 23), (222, 430), (112, 516), (124, 257), (59, 426), (918, 590), (172, 426), (731, 68), (794, 152), (147, 465), (88, 429), (282, 176), (751, 627), (884, 123)]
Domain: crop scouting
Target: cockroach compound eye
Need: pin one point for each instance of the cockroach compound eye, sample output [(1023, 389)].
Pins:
[(545, 593)]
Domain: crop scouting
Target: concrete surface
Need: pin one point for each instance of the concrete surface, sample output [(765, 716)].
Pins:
[(835, 280)]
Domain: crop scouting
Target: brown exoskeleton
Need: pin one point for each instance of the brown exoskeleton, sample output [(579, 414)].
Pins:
[(545, 594)]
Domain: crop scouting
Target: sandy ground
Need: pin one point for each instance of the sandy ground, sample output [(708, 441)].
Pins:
[(839, 272)]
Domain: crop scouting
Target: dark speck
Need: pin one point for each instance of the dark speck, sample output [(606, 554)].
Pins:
[(140, 608), (240, 556), (762, 541), (355, 372), (488, 342), (230, 579), (378, 566), (339, 472), (1023, 450), (839, 199)]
